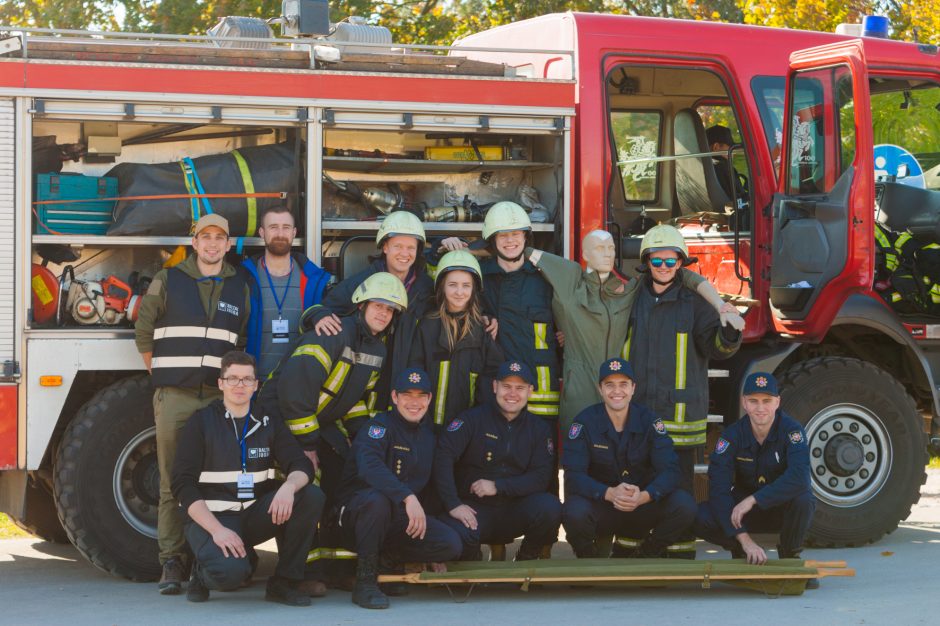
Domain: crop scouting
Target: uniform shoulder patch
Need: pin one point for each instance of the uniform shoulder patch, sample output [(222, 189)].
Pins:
[(376, 431), (454, 425), (575, 430), (796, 437), (659, 427), (722, 445)]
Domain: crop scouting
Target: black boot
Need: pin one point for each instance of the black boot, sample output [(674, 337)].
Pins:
[(585, 550), (388, 565), (197, 590), (366, 592), (651, 549), (528, 552), (285, 592)]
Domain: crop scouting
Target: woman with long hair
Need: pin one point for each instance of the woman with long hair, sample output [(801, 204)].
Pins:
[(451, 342)]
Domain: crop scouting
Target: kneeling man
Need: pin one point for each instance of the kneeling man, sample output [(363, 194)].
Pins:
[(622, 473)]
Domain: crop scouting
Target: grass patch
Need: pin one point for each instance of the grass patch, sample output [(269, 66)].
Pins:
[(9, 530)]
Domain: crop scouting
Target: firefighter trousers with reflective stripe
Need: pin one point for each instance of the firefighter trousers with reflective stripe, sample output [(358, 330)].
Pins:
[(374, 524), (327, 557), (254, 526), (661, 521), (172, 407), (792, 520)]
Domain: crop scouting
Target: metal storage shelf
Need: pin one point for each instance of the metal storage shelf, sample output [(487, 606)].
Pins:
[(434, 227), (369, 165), (136, 240)]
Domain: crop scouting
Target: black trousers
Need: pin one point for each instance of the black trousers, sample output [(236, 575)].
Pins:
[(791, 519), (668, 519), (375, 524), (327, 557), (535, 517), (254, 526)]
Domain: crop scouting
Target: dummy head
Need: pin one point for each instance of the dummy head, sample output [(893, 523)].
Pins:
[(599, 252)]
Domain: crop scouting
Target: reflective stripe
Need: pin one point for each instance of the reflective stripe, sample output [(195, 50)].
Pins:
[(542, 375), (318, 554), (722, 347), (360, 409), (231, 477), (316, 352), (186, 361), (339, 553), (686, 426), (548, 396), (626, 542), (337, 377), (217, 506), (682, 346), (541, 329), (303, 425), (362, 358), (373, 379), (625, 352), (683, 546), (249, 189), (688, 440), (199, 332), (543, 409), (473, 386), (443, 374)]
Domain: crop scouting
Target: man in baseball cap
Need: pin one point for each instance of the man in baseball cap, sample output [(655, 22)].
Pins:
[(387, 469), (759, 478), (622, 474)]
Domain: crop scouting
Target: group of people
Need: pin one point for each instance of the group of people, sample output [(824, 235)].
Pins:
[(417, 410)]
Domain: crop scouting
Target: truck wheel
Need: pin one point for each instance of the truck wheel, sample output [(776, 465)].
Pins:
[(40, 517), (107, 483), (867, 447)]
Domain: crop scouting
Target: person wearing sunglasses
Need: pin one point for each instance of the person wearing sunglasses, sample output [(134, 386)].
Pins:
[(672, 334)]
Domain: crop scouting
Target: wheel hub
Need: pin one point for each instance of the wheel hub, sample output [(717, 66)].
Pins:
[(136, 483), (850, 454)]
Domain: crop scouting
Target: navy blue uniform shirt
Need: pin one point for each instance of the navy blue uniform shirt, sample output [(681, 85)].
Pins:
[(596, 456), (517, 455), (774, 472), (392, 455)]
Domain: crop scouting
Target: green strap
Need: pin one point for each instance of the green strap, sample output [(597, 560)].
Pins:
[(249, 188)]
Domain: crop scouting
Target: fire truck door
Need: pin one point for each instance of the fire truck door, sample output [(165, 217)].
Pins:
[(823, 211)]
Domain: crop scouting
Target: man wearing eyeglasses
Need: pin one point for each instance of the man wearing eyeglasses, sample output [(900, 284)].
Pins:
[(672, 334), (192, 314), (224, 477)]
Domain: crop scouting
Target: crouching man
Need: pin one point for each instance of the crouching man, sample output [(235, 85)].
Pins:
[(759, 478), (224, 479), (622, 473), (389, 466), (492, 469)]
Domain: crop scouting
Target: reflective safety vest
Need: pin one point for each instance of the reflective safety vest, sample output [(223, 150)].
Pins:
[(218, 480), (188, 342)]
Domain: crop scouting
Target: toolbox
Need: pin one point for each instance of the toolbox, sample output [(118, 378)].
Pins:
[(91, 217)]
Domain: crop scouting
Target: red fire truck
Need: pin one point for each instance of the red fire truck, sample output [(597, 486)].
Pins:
[(590, 121)]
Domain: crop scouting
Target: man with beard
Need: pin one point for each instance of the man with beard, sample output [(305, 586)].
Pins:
[(283, 285)]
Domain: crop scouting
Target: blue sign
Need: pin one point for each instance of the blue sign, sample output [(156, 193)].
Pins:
[(891, 160)]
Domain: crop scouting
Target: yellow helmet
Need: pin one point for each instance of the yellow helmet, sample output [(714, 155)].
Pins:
[(383, 287), (503, 217), (663, 237), (400, 223), (458, 260)]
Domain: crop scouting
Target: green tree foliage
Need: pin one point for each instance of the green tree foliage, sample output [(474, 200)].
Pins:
[(442, 21)]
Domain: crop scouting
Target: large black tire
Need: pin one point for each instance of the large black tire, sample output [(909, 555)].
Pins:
[(40, 517), (867, 447), (107, 480)]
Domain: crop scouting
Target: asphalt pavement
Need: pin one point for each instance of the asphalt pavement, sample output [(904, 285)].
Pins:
[(895, 583)]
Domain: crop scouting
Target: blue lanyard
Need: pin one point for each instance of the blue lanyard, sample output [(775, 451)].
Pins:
[(241, 440), (290, 274)]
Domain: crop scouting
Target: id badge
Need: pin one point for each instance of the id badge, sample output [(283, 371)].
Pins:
[(280, 331), (246, 486)]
